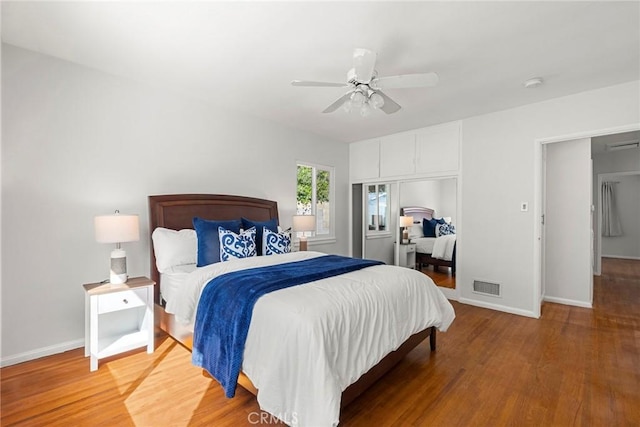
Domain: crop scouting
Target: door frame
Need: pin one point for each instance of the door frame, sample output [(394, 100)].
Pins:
[(538, 197)]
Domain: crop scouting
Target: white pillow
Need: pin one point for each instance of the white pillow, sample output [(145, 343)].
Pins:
[(416, 231), (173, 247)]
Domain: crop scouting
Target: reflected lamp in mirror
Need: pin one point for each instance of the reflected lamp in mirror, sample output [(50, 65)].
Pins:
[(405, 223), (303, 224), (117, 228)]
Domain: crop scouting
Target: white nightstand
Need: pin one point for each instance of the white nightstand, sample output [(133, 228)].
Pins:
[(407, 255), (118, 318)]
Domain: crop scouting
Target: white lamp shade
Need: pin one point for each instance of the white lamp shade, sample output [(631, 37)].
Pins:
[(117, 228), (406, 221), (304, 223)]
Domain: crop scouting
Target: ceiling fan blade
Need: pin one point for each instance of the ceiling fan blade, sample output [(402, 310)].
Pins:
[(390, 106), (364, 61), (406, 80), (317, 84), (333, 107)]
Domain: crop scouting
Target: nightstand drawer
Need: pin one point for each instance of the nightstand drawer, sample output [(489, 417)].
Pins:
[(411, 248), (122, 300)]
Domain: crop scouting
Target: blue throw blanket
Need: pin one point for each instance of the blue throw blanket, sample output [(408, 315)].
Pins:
[(226, 305)]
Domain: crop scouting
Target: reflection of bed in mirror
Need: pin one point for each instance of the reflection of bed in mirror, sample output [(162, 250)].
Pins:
[(445, 252)]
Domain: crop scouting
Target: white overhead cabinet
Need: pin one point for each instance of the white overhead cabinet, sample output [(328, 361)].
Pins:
[(437, 149), (364, 160), (426, 152), (397, 155)]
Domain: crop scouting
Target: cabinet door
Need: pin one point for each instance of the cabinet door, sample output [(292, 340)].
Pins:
[(397, 153), (437, 149), (364, 160)]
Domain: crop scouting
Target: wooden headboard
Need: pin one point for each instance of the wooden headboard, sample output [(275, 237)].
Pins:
[(176, 211), (418, 213)]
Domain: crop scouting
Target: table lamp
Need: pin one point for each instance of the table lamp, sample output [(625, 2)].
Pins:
[(304, 223), (117, 228), (405, 223)]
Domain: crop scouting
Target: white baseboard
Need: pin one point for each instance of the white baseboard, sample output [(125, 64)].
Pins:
[(621, 257), (565, 301), (41, 352), (498, 307)]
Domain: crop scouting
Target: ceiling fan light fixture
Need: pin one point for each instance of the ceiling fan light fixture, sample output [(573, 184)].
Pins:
[(357, 98), (376, 100), (365, 110), (366, 86), (347, 106)]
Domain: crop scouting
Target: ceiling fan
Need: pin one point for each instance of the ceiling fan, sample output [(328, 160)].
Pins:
[(365, 86)]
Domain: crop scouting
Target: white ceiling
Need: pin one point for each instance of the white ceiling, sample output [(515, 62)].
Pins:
[(243, 55)]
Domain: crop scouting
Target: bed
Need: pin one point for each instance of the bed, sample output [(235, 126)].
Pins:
[(445, 247), (176, 212)]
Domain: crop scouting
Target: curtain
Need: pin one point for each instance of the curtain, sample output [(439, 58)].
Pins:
[(610, 221)]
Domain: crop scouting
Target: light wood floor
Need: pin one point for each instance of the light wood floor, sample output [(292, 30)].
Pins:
[(572, 367)]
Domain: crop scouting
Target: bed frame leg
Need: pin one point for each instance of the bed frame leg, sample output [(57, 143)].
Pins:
[(432, 338)]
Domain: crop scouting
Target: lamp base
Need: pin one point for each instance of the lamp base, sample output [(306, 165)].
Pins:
[(405, 236), (303, 244), (118, 274)]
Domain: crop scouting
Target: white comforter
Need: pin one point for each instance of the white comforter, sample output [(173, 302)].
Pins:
[(308, 343), (424, 245), (443, 247)]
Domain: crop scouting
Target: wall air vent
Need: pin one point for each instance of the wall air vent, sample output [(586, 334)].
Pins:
[(622, 145), (486, 288)]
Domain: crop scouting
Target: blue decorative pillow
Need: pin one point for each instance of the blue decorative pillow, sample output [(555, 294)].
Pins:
[(233, 245), (444, 229), (429, 226), (275, 243), (272, 225), (208, 240)]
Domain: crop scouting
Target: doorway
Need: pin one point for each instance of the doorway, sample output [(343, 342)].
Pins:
[(580, 292), (616, 159)]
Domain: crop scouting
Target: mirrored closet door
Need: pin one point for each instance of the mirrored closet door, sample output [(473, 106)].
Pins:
[(432, 203)]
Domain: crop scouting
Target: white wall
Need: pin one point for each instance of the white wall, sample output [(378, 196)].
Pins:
[(628, 204), (437, 194), (499, 172), (421, 193), (448, 199), (77, 143), (616, 161)]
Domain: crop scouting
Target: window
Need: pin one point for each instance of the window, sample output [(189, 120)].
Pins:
[(315, 196), (377, 208)]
